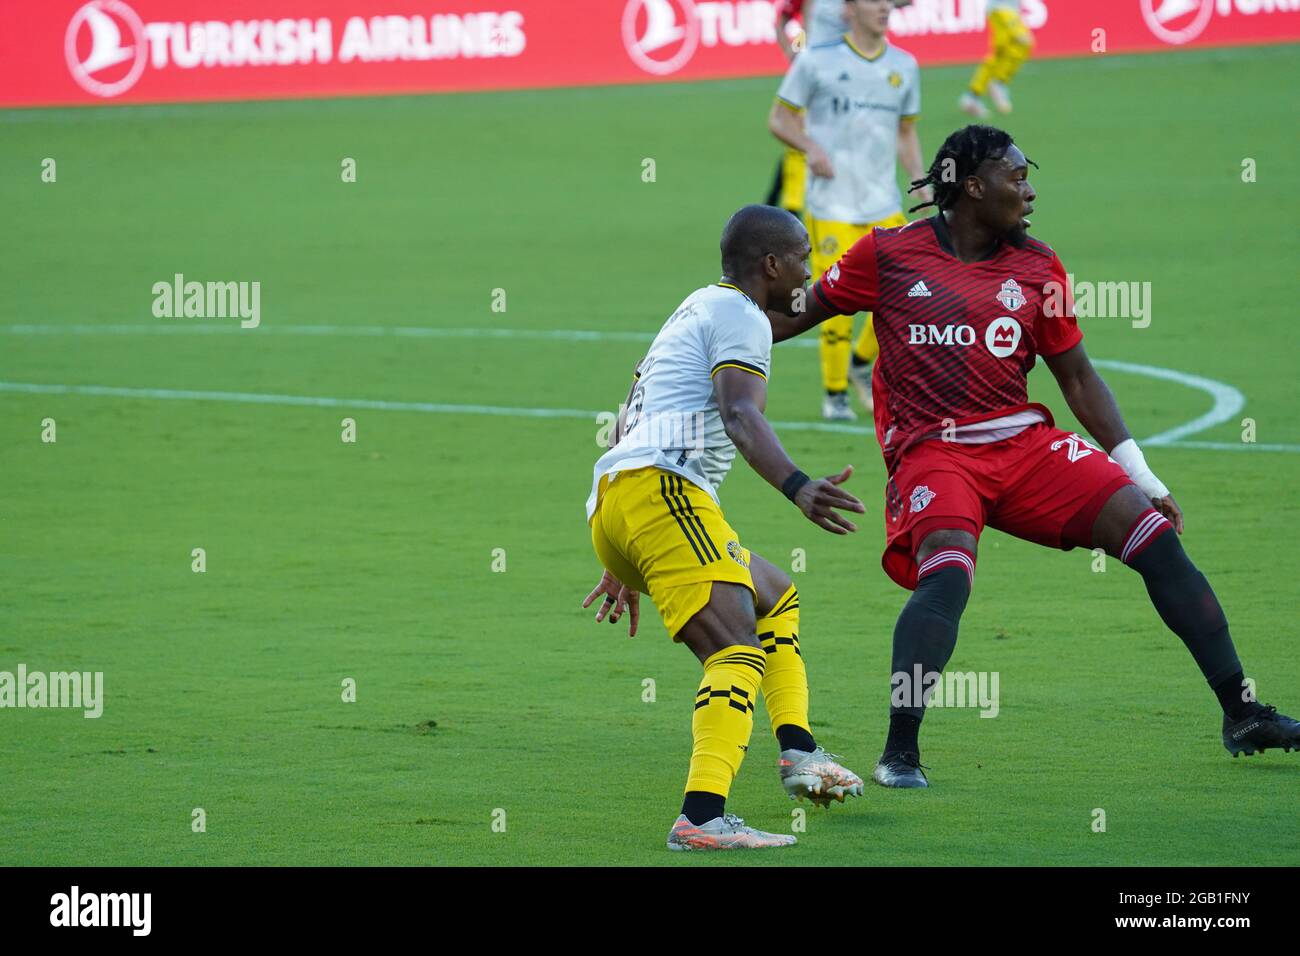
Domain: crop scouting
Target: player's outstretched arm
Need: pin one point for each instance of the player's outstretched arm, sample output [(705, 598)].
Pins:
[(742, 398), (813, 314), (1093, 404)]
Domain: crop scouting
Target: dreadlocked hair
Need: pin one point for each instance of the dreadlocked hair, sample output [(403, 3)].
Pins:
[(960, 155)]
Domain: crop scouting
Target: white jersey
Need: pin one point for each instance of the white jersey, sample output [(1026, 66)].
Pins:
[(854, 105), (827, 23), (672, 419)]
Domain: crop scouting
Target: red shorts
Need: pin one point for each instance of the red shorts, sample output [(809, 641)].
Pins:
[(1044, 485)]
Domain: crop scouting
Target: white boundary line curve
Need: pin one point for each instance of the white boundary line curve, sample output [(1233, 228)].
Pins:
[(1227, 400)]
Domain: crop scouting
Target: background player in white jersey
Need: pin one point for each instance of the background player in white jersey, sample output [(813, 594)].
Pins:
[(698, 395), (862, 97), (823, 22)]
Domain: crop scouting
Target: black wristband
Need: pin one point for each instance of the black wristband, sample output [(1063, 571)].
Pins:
[(790, 487)]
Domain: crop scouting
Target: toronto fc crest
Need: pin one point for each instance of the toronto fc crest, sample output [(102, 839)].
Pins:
[(921, 496), (1011, 297)]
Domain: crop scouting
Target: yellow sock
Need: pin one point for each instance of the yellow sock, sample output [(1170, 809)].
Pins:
[(834, 349), (867, 348), (724, 717), (785, 682)]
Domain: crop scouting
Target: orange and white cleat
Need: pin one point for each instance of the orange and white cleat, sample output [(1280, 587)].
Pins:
[(727, 832), (817, 777)]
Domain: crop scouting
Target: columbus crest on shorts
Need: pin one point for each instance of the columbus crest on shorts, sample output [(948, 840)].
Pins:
[(921, 496), (1011, 297), (737, 553)]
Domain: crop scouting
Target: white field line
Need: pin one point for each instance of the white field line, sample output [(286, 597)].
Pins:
[(312, 401), (1227, 401)]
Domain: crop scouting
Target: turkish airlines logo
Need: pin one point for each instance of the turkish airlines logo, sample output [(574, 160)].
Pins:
[(1002, 336), (1177, 21), (660, 35), (105, 47)]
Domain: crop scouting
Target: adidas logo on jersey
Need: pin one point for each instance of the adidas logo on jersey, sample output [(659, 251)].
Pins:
[(918, 290)]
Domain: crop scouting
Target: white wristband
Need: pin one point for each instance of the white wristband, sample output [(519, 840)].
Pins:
[(1131, 459)]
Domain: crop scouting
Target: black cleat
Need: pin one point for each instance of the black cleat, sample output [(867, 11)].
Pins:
[(1263, 729), (899, 768)]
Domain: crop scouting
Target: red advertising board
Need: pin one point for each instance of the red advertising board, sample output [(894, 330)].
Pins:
[(56, 52)]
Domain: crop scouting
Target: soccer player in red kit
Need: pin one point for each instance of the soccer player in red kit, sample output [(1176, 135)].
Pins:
[(963, 303)]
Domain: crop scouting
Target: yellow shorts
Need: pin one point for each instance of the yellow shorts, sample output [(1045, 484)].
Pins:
[(830, 240), (1006, 27), (661, 535)]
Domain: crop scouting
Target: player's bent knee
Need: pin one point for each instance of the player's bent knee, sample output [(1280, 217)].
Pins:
[(770, 584), (945, 539), (1117, 517), (1151, 546), (727, 619)]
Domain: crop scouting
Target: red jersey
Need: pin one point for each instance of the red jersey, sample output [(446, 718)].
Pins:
[(957, 339)]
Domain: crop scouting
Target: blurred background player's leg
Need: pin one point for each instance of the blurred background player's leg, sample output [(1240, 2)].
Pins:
[(791, 182), (830, 240), (794, 180), (1010, 43), (836, 334), (867, 348), (1014, 43)]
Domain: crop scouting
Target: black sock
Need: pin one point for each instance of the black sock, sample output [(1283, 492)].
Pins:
[(701, 806), (1186, 603), (903, 729), (833, 392), (926, 633), (859, 362), (791, 737), (1229, 692)]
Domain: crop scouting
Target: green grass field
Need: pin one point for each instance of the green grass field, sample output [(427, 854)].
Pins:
[(477, 690)]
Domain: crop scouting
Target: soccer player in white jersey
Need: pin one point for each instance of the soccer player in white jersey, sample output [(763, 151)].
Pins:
[(697, 396), (862, 97), (823, 22)]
